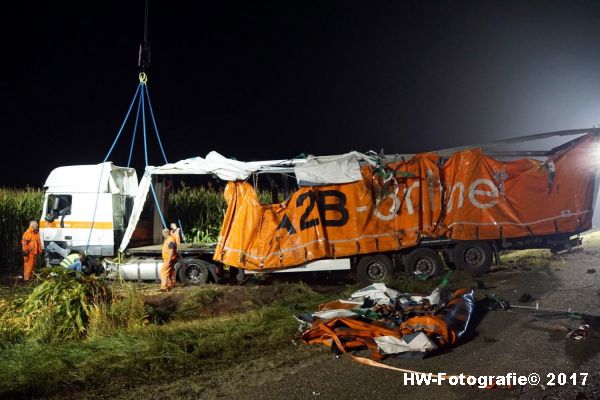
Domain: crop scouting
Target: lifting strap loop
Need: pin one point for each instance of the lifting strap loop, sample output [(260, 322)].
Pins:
[(141, 96)]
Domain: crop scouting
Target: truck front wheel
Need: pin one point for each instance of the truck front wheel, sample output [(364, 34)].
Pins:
[(193, 272), (475, 257), (373, 269)]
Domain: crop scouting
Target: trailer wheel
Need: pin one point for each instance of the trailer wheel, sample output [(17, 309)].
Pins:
[(424, 263), (475, 257), (372, 269), (193, 272)]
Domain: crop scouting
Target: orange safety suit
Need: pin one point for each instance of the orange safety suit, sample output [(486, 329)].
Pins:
[(31, 246), (169, 255)]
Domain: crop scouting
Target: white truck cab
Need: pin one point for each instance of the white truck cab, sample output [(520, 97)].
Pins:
[(86, 207)]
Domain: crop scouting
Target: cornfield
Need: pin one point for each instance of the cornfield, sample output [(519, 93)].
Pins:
[(201, 210), (17, 208)]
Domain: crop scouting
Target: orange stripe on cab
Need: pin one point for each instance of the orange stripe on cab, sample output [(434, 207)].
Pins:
[(77, 224)]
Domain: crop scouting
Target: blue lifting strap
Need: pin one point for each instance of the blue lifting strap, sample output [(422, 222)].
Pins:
[(141, 95)]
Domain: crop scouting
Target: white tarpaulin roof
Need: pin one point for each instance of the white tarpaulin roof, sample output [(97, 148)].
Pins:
[(329, 170), (312, 171), (223, 167)]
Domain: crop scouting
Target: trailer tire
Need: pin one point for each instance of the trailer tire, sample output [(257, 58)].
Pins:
[(193, 272), (474, 257), (373, 269), (424, 263)]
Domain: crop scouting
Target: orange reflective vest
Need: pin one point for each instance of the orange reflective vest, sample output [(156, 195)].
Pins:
[(166, 249), (31, 242)]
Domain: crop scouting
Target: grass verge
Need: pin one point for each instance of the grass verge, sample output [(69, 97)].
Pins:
[(141, 354)]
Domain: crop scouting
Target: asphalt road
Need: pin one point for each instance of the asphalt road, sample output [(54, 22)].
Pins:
[(500, 342)]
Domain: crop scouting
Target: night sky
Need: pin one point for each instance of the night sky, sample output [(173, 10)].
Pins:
[(273, 80)]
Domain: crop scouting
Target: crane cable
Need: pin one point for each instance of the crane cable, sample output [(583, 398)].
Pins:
[(146, 21), (141, 95), (144, 52)]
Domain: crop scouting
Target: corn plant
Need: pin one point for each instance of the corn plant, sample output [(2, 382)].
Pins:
[(57, 309), (201, 210), (17, 208)]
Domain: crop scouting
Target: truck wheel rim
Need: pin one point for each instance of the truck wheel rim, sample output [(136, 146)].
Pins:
[(193, 273), (376, 271), (424, 267), (474, 256)]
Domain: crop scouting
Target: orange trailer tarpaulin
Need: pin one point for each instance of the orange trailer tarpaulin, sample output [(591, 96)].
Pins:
[(472, 196), (489, 199), (331, 221)]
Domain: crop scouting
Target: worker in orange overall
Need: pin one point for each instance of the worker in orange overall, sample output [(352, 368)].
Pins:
[(32, 247), (176, 232), (169, 255)]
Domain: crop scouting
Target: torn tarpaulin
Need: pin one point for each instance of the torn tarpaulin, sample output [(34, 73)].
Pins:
[(417, 341), (395, 322), (376, 292)]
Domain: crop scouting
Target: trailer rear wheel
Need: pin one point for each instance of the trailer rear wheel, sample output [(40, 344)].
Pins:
[(373, 269), (475, 257), (424, 263), (193, 272)]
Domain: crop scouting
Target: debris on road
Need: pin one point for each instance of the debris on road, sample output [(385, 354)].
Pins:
[(497, 303), (580, 333), (388, 322)]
